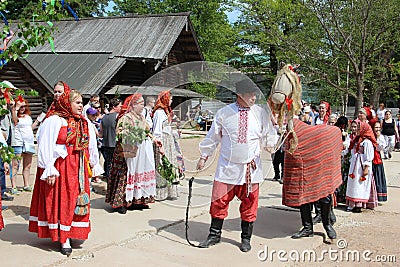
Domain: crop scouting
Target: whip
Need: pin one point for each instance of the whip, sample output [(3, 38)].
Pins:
[(187, 213)]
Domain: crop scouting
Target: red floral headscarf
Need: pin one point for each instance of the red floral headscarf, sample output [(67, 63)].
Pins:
[(128, 104), (77, 128), (66, 90), (365, 132), (163, 103)]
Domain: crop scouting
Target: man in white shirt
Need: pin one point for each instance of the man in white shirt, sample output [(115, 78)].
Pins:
[(239, 128)]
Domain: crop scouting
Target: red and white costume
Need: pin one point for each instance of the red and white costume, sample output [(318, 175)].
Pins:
[(240, 131), (52, 206)]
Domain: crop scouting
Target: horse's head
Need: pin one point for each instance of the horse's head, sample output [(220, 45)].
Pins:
[(286, 90), (285, 98), (281, 90)]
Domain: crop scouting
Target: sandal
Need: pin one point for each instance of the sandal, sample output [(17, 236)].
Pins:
[(14, 191), (28, 188)]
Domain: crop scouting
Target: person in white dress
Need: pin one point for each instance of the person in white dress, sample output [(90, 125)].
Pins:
[(141, 177), (241, 128), (361, 191), (23, 145), (162, 130)]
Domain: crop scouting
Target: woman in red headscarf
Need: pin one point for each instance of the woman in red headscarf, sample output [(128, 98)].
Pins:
[(66, 146), (162, 117), (132, 181), (361, 191)]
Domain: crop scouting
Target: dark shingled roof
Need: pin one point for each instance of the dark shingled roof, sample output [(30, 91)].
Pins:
[(91, 51), (152, 90)]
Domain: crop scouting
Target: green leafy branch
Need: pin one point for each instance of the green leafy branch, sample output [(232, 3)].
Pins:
[(32, 32), (7, 153), (167, 170), (131, 134)]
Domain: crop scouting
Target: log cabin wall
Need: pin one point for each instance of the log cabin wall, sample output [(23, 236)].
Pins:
[(21, 78)]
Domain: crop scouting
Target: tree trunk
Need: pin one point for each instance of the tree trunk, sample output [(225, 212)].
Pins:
[(273, 59), (360, 93), (375, 97)]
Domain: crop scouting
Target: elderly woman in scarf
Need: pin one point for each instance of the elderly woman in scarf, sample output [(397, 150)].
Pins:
[(67, 152), (162, 117), (132, 181), (361, 190)]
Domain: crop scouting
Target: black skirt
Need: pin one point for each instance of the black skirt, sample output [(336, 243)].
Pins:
[(380, 180)]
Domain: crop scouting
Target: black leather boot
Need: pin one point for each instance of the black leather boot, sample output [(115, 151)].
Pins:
[(306, 220), (247, 231), (317, 218), (325, 212), (214, 236), (332, 217)]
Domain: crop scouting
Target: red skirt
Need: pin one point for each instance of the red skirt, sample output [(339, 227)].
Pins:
[(52, 207)]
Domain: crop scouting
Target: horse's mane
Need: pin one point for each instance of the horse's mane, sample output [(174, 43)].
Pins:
[(292, 106)]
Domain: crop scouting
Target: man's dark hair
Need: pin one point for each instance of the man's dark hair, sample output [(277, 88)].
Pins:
[(94, 95), (114, 102)]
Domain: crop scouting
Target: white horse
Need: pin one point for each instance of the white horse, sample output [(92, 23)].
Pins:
[(285, 100)]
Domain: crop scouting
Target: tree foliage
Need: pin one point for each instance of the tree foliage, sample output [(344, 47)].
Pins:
[(335, 41), (22, 9), (20, 37)]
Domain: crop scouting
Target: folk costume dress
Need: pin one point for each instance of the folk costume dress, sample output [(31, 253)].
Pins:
[(162, 130), (361, 190), (379, 171), (66, 147), (240, 131), (139, 185)]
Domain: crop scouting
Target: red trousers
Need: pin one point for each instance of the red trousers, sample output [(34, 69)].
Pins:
[(223, 193)]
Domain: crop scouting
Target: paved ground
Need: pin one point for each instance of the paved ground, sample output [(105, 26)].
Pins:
[(156, 237)]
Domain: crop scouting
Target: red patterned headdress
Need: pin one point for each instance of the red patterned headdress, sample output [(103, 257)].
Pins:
[(163, 103), (77, 128), (127, 105), (365, 132), (66, 90)]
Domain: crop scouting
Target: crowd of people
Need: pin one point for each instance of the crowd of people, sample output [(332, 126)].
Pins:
[(143, 161), (70, 138), (367, 140)]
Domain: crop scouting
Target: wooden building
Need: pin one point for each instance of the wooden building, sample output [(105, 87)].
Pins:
[(94, 55)]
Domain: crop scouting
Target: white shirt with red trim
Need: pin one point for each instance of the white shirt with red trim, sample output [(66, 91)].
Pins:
[(241, 133)]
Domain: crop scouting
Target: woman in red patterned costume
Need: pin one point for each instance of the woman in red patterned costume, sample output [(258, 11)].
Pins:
[(60, 201)]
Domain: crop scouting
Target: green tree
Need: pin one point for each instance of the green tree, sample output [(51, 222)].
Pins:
[(20, 9), (339, 43)]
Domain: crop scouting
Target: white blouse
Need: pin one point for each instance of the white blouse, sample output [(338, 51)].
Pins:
[(158, 121), (49, 150)]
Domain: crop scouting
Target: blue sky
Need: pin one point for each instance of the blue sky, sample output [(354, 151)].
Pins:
[(232, 16)]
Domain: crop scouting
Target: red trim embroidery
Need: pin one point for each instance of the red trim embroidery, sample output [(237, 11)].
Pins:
[(243, 125), (141, 177)]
